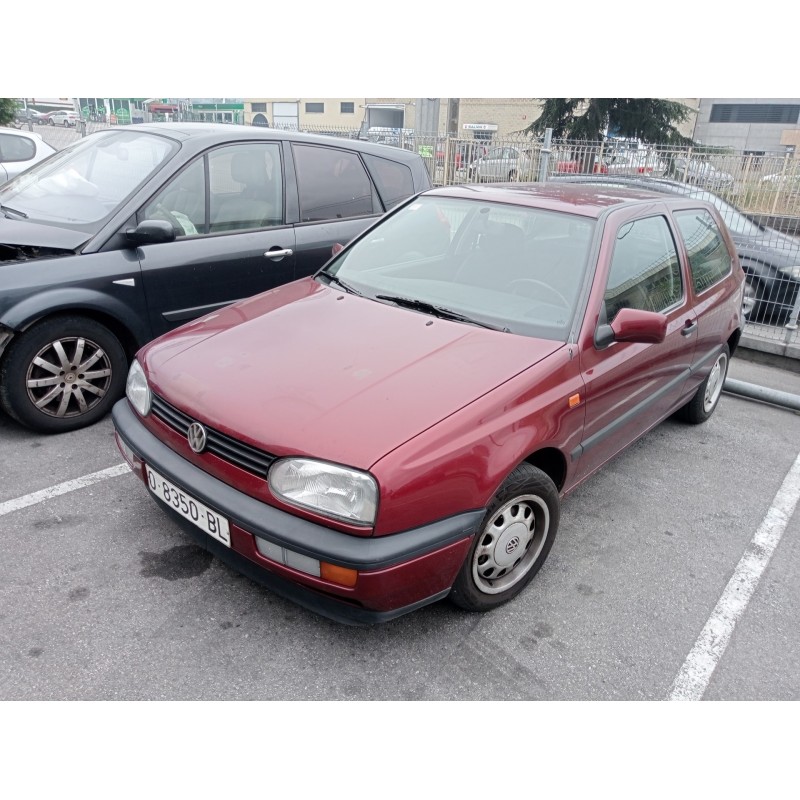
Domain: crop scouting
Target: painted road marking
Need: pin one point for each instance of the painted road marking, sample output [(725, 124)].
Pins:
[(695, 674), (62, 488)]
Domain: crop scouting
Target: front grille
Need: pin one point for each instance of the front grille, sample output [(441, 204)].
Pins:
[(229, 449)]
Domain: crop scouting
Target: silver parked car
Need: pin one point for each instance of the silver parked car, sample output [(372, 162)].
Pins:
[(502, 164), (20, 150), (701, 173)]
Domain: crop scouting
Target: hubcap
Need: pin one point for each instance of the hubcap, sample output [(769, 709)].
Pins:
[(510, 544), (748, 300), (68, 377), (715, 381)]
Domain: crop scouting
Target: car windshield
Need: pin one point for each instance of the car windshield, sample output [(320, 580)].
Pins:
[(513, 268), (83, 184)]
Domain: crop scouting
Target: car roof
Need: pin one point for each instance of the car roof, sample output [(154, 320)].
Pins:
[(575, 198), (24, 134), (640, 182), (210, 132)]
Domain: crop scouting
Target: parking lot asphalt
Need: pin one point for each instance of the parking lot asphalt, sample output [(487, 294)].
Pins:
[(102, 597)]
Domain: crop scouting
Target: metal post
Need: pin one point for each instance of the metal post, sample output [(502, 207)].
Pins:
[(544, 159)]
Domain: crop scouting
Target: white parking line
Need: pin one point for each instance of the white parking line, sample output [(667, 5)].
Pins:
[(62, 488), (695, 674)]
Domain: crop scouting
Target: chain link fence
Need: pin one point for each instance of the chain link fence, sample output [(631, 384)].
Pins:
[(758, 194)]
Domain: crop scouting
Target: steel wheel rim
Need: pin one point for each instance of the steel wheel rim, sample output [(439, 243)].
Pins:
[(715, 381), (68, 377), (510, 543)]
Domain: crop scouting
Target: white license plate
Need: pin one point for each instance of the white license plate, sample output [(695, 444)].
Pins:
[(193, 510)]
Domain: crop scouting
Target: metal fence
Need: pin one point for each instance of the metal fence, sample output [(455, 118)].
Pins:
[(764, 187)]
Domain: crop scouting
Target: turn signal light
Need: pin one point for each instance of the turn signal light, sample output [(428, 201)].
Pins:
[(335, 574)]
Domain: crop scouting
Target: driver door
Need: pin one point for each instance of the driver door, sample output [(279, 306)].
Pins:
[(227, 209)]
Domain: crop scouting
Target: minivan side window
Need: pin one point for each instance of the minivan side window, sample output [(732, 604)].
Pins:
[(709, 258), (332, 184), (393, 180), (182, 202), (245, 187), (645, 272)]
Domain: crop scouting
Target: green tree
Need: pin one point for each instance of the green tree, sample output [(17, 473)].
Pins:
[(652, 120), (8, 108)]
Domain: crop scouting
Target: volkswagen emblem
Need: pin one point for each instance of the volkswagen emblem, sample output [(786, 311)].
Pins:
[(197, 437), (511, 545)]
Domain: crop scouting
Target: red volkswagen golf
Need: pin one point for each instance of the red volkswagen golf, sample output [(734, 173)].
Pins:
[(403, 426)]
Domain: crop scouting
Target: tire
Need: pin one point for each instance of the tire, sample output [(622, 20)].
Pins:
[(80, 398), (753, 294), (706, 398), (521, 521)]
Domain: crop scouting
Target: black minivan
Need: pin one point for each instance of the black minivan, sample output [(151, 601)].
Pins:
[(133, 231)]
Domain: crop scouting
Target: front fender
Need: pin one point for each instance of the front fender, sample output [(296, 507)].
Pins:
[(29, 310)]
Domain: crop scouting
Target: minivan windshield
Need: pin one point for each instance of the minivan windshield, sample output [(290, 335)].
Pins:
[(84, 183), (509, 267)]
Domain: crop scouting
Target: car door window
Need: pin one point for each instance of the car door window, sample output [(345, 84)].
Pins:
[(332, 184), (709, 259), (245, 187), (394, 181), (182, 202), (16, 148), (645, 272)]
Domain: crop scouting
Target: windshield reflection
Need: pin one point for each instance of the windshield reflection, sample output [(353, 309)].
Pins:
[(83, 184), (507, 267)]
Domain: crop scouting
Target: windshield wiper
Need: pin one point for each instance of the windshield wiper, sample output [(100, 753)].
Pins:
[(333, 279), (8, 209), (437, 311)]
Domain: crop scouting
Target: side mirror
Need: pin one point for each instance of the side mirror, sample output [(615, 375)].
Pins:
[(633, 325), (336, 249), (151, 231)]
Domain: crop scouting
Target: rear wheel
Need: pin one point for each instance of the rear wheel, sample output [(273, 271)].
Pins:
[(513, 542), (752, 296), (705, 399), (62, 374)]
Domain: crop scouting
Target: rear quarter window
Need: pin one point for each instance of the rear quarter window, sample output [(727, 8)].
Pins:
[(394, 181), (709, 258)]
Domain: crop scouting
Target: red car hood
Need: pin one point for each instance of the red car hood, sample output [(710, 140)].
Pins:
[(308, 370)]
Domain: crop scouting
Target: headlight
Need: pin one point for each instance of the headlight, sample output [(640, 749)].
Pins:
[(338, 492), (137, 390), (792, 272)]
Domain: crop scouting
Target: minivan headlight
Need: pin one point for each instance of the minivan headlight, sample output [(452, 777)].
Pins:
[(344, 494), (137, 390)]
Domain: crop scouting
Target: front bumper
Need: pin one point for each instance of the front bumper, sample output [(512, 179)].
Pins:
[(396, 574)]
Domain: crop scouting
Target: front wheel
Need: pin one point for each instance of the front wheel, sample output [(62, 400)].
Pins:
[(705, 399), (513, 542), (62, 374)]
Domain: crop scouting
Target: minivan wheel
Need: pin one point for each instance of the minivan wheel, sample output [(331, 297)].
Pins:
[(706, 398), (62, 374), (513, 542), (752, 296)]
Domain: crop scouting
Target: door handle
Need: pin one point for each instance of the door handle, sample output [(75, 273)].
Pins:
[(279, 253), (689, 328)]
